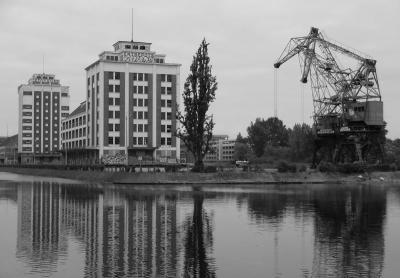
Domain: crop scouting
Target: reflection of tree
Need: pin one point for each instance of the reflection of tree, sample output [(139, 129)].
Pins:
[(198, 242)]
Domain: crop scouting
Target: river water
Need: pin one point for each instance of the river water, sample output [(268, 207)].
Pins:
[(53, 228)]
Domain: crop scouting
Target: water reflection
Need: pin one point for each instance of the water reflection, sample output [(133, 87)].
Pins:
[(138, 233)]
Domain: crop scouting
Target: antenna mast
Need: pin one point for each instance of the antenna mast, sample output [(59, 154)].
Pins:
[(132, 25)]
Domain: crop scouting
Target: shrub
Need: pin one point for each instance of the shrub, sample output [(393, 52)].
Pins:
[(210, 169), (302, 168), (284, 167), (326, 167)]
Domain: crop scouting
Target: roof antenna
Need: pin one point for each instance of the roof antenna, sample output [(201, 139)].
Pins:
[(43, 63), (132, 25)]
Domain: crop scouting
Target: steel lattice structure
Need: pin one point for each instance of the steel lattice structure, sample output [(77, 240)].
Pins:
[(344, 84)]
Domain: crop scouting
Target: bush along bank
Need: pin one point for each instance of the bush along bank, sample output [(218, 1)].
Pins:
[(354, 168)]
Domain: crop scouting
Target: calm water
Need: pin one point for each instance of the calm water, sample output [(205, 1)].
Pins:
[(54, 229)]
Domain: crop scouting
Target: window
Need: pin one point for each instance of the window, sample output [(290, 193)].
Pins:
[(162, 141), (117, 113), (140, 115), (116, 127), (134, 140), (110, 101), (169, 78), (162, 116), (127, 46), (140, 128), (110, 140), (169, 141), (169, 103), (146, 102), (168, 115), (144, 140), (135, 77), (146, 115), (162, 77), (117, 88), (110, 88), (169, 90), (27, 120), (135, 102), (168, 128), (27, 93), (140, 102), (110, 75), (111, 114), (162, 128), (117, 140), (117, 101), (26, 113), (140, 89), (140, 76), (146, 127), (163, 103), (146, 89), (117, 75), (134, 127), (65, 108), (146, 77), (135, 89), (140, 140), (26, 106), (142, 47), (163, 90), (135, 114), (64, 94), (110, 127)]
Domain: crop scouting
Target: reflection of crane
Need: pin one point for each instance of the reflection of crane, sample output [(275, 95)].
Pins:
[(348, 111)]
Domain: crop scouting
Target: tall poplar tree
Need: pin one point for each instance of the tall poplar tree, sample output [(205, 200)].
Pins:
[(199, 91)]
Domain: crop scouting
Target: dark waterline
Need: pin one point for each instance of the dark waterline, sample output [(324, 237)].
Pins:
[(52, 229)]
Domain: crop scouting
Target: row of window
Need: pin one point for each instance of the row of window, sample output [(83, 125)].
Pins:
[(74, 144), (114, 101), (112, 58), (140, 128), (166, 77), (166, 141), (141, 115), (140, 102), (72, 134), (166, 90), (141, 76), (166, 103), (113, 127), (114, 88), (74, 122), (97, 78), (113, 140), (140, 89), (166, 128), (166, 115), (141, 141), (135, 46), (29, 93)]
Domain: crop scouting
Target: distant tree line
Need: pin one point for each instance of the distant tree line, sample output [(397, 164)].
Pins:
[(270, 140)]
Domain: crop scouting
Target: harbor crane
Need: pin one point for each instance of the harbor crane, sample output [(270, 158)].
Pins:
[(348, 108)]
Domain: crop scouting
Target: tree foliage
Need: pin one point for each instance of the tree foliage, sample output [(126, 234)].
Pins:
[(199, 91), (301, 142), (262, 133)]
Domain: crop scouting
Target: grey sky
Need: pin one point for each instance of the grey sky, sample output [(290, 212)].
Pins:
[(246, 37)]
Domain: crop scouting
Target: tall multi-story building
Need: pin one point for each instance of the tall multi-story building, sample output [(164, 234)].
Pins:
[(132, 94), (43, 103)]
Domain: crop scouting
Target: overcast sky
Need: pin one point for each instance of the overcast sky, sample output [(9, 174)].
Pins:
[(245, 37)]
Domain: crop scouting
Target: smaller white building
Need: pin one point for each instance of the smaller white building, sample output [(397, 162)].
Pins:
[(74, 129)]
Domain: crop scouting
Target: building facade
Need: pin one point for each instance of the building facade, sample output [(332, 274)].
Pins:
[(131, 104), (73, 132), (221, 149), (43, 103)]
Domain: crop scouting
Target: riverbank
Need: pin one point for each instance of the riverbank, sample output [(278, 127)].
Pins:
[(232, 177)]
